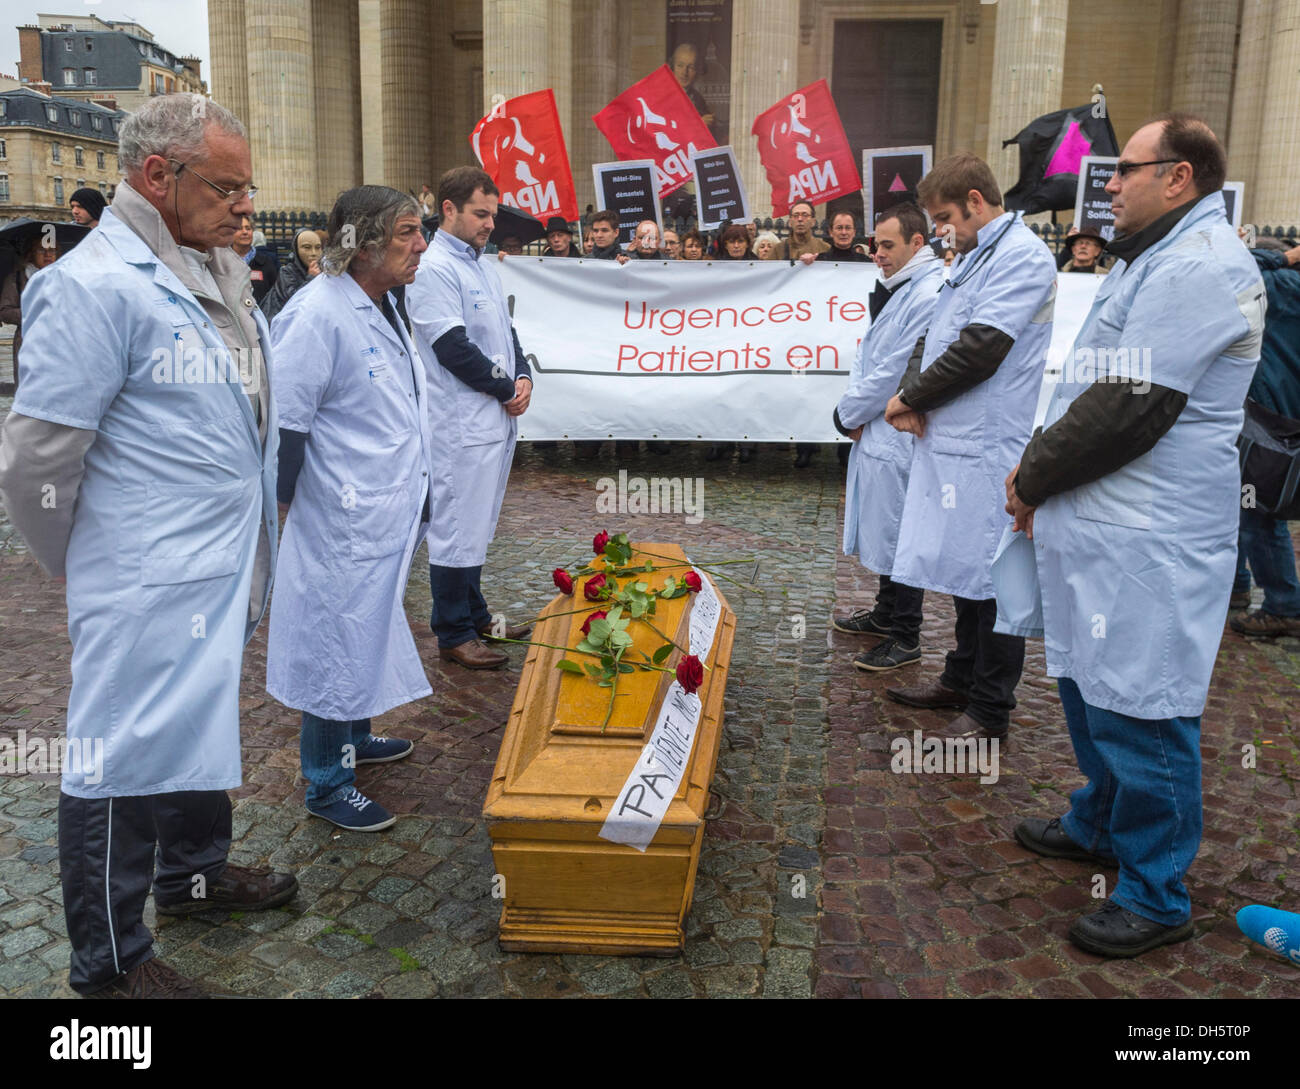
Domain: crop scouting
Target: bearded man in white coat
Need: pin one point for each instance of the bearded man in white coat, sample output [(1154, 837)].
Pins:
[(901, 307), (354, 479), (479, 384)]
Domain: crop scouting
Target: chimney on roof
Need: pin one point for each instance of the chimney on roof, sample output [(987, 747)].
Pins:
[(30, 67)]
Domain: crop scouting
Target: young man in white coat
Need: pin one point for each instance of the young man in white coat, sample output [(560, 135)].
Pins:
[(901, 307), (969, 397), (479, 384), (1131, 492), (354, 477), (139, 464)]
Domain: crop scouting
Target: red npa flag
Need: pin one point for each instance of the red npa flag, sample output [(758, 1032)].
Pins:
[(653, 119), (804, 150), (521, 146)]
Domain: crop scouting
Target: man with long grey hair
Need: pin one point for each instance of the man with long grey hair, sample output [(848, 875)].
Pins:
[(139, 463), (354, 480)]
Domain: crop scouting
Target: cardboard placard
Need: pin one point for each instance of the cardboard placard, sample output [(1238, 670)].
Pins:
[(890, 176), (628, 190), (1091, 201), (719, 191), (1233, 198)]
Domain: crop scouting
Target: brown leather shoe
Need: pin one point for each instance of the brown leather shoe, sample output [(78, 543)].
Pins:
[(516, 631), (965, 726), (239, 888), (1262, 625), (152, 979), (473, 655), (931, 694)]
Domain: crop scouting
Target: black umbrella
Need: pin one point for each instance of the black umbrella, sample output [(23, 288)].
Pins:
[(512, 223), (21, 233)]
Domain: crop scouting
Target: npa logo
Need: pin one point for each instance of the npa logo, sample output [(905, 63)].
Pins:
[(652, 134), (520, 145), (804, 149)]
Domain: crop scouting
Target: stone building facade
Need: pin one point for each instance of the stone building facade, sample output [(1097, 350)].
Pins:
[(115, 63), (336, 92), (50, 147)]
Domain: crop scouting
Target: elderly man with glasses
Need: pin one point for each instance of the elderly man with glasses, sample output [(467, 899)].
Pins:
[(139, 463)]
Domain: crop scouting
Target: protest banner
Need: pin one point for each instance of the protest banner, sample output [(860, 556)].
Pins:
[(701, 350)]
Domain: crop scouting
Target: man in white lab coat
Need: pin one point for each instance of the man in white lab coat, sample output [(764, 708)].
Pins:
[(1131, 494), (139, 463), (968, 397), (901, 307), (354, 479), (479, 384)]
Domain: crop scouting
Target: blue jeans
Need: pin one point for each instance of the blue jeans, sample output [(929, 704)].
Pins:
[(1265, 543), (1142, 802), (328, 767)]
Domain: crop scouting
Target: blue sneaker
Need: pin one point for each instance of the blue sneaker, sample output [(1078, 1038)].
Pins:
[(381, 750), (355, 812)]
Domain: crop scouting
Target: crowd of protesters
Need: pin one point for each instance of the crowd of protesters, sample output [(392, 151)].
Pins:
[(1131, 503)]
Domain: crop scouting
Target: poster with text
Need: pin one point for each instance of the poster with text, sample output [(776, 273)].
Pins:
[(1091, 201), (628, 190), (1232, 200), (719, 191)]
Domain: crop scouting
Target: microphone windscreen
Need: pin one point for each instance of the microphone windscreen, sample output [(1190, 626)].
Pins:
[(1276, 930)]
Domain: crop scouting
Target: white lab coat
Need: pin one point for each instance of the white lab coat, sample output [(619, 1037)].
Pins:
[(473, 439), (1136, 568), (339, 644), (880, 459), (177, 491), (953, 514)]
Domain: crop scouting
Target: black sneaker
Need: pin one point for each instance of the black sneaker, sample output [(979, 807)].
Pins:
[(863, 622), (891, 654), (1115, 931)]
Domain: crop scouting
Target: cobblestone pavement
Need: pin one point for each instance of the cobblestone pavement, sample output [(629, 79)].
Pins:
[(913, 884)]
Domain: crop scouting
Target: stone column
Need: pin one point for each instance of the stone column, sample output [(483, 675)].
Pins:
[(1277, 182), (595, 81), (1028, 65), (229, 76), (372, 107), (1203, 57), (517, 52), (1248, 96), (282, 126), (336, 68), (764, 69), (405, 27)]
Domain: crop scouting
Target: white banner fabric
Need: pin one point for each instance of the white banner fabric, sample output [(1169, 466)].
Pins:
[(699, 350)]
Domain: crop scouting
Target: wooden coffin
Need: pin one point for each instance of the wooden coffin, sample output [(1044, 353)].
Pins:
[(565, 889)]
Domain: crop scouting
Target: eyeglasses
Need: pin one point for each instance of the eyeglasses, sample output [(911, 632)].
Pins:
[(1125, 169), (230, 196)]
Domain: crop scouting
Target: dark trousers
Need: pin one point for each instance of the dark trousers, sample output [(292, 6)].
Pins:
[(986, 666), (900, 606), (458, 606), (107, 850)]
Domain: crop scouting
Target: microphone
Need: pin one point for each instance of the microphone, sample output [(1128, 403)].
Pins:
[(1276, 930)]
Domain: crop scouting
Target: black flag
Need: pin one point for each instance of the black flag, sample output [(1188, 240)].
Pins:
[(1050, 149)]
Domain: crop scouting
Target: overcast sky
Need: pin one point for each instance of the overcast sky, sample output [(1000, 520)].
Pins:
[(178, 25)]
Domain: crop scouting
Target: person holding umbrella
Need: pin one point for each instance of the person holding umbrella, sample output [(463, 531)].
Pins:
[(37, 256)]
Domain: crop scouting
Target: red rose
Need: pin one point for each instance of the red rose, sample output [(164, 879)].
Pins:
[(690, 673), (599, 614), (693, 583), (595, 588), (562, 580), (599, 542)]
